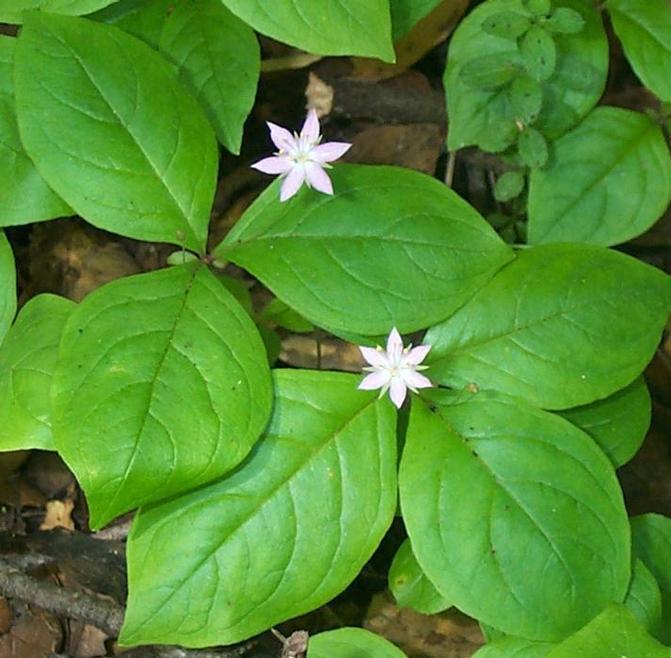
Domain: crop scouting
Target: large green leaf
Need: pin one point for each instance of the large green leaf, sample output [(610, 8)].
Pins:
[(608, 181), (11, 11), (410, 586), (281, 536), (514, 514), (514, 647), (114, 133), (327, 27), (644, 28), (141, 18), (571, 92), (390, 247), (219, 60), (24, 196), (617, 423), (615, 633), (406, 13), (351, 643), (652, 545), (562, 326), (7, 286), (162, 385), (28, 357), (644, 597)]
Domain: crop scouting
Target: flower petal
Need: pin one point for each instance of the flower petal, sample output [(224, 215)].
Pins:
[(329, 151), (417, 354), (394, 346), (378, 379), (318, 178), (310, 129), (292, 183), (281, 137), (374, 357), (415, 380), (397, 391), (275, 164)]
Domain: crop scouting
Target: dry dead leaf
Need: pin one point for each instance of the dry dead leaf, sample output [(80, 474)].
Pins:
[(58, 515)]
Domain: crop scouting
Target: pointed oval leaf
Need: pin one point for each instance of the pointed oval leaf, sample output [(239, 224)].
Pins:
[(405, 14), (564, 21), (111, 129), (580, 57), (352, 262), (351, 643), (143, 19), (644, 598), (651, 535), (11, 11), (24, 195), (507, 24), (328, 27), (219, 60), (539, 53), (284, 534), (533, 148), (613, 634), (514, 514), (644, 28), (7, 285), (514, 647), (509, 186), (131, 353), (531, 331), (617, 423), (28, 358), (526, 98), (609, 180), (410, 586)]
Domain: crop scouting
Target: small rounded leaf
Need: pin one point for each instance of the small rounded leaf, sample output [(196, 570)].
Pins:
[(539, 53), (533, 148), (564, 20), (509, 186), (507, 24), (351, 643), (411, 587), (526, 98), (538, 7), (491, 71)]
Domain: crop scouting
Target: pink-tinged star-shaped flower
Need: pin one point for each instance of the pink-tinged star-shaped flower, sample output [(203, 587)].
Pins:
[(395, 369), (301, 158)]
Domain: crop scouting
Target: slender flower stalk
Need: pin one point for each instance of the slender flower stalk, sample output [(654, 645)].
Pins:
[(395, 369), (301, 158)]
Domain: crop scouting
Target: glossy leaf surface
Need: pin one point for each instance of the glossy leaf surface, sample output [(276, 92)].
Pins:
[(352, 262), (282, 535), (644, 597), (644, 28), (28, 357), (613, 634), (489, 487), (651, 534), (608, 181), (132, 353), (11, 11), (7, 285), (24, 195), (617, 423), (405, 14), (328, 27), (351, 643), (219, 60), (513, 647), (562, 326), (111, 129)]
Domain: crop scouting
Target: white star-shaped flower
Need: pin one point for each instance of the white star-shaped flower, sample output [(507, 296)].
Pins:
[(395, 369), (301, 158)]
